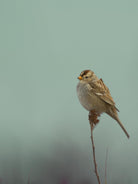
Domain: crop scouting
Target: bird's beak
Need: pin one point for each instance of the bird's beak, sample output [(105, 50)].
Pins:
[(80, 78)]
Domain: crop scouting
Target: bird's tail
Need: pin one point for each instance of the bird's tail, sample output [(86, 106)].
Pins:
[(115, 116), (121, 125)]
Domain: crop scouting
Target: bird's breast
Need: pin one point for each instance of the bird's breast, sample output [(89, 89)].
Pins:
[(88, 99)]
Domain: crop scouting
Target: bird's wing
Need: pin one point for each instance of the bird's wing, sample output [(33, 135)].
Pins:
[(102, 91)]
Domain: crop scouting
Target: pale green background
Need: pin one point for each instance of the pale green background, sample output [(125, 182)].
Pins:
[(44, 131)]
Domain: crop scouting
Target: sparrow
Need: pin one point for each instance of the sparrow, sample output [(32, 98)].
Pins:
[(94, 95)]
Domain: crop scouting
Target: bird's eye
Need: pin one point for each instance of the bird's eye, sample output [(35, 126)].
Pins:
[(86, 77)]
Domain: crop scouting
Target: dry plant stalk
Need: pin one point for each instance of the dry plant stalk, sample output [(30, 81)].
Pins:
[(93, 120), (28, 182), (106, 166)]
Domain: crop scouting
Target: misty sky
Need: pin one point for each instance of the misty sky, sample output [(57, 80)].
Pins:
[(44, 45)]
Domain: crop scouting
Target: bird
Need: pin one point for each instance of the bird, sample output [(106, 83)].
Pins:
[(94, 95)]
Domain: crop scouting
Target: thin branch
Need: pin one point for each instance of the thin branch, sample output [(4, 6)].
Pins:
[(28, 182), (93, 119), (106, 166), (94, 158)]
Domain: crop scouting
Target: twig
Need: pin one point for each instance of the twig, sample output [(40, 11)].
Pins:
[(28, 182), (94, 158), (93, 119), (106, 166)]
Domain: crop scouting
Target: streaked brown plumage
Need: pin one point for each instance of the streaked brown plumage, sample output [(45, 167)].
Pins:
[(93, 94)]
